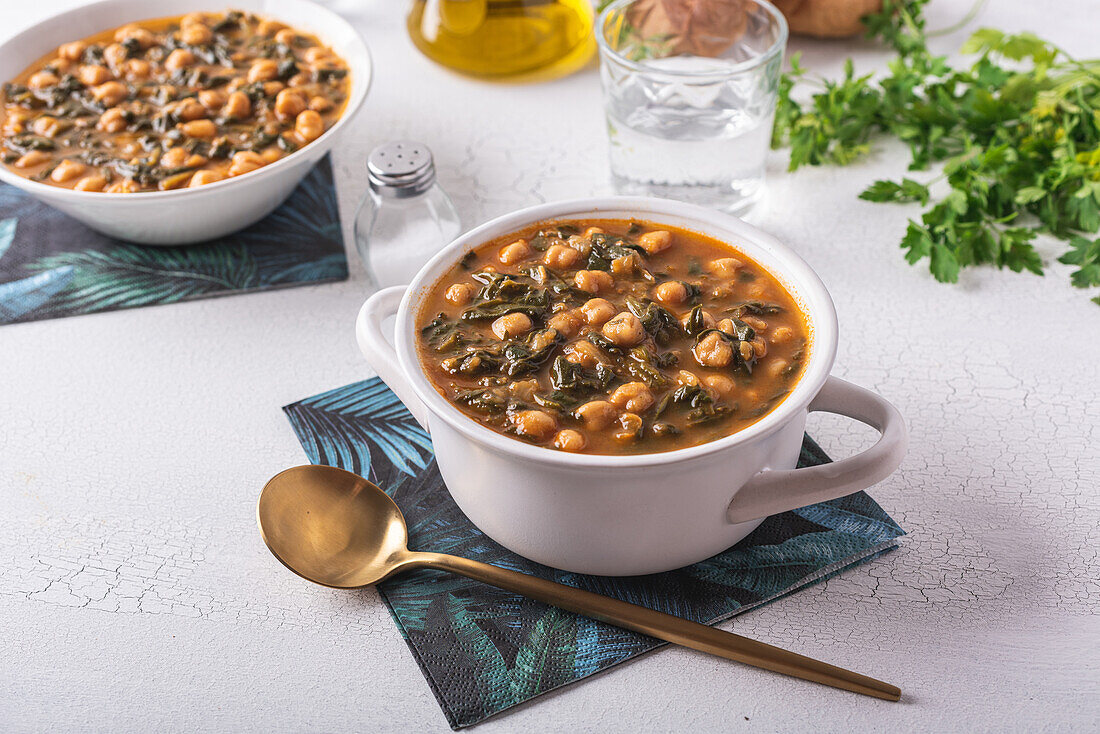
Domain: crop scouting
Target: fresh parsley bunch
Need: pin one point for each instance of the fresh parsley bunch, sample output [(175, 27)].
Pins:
[(1018, 133)]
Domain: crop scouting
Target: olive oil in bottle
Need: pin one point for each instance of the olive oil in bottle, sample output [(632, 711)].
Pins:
[(504, 38)]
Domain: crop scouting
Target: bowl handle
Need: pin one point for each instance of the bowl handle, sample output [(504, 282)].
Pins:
[(378, 348), (773, 491)]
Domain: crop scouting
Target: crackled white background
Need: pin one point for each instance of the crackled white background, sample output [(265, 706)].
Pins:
[(136, 595)]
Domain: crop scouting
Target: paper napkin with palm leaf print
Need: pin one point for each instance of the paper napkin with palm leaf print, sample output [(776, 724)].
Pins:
[(484, 650), (53, 266)]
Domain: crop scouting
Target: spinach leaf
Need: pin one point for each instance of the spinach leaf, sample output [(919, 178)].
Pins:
[(657, 321), (607, 248), (503, 294), (444, 334), (576, 380), (486, 399), (700, 404)]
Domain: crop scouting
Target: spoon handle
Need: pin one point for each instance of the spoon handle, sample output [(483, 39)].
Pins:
[(662, 626)]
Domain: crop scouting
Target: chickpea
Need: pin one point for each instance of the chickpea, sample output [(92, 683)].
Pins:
[(190, 109), (746, 350), (269, 27), (631, 427), (726, 326), (46, 126), (15, 122), (580, 244), (625, 265), (181, 58), (514, 253), (66, 171), (286, 36), (42, 79), (174, 157), (565, 323), (656, 241), (193, 19), (309, 125), (92, 74), (512, 324), (32, 158), (759, 347), (201, 178), (137, 69), (561, 257), (756, 290), (569, 440), (59, 65), (238, 106), (708, 320), (459, 294), (263, 70), (534, 424), (72, 51), (125, 186), (593, 281), (201, 129), (597, 414), (317, 54), (288, 103), (671, 292), (196, 34), (724, 267), (210, 100), (271, 154), (593, 230), (778, 367), (110, 93), (597, 311), (113, 120), (720, 384), (584, 353), (633, 396), (683, 377), (713, 351), (144, 38), (782, 334), (115, 55), (301, 79), (524, 389), (244, 162), (273, 88), (625, 330), (95, 182), (757, 324), (318, 104)]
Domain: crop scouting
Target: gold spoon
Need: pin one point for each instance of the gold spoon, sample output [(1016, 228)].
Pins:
[(337, 529)]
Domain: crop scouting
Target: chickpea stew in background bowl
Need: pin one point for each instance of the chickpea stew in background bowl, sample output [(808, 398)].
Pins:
[(166, 122), (620, 385)]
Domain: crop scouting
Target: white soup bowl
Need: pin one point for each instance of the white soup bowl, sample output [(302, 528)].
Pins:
[(185, 216), (635, 514)]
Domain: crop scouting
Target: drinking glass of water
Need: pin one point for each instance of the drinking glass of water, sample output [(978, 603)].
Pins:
[(690, 90)]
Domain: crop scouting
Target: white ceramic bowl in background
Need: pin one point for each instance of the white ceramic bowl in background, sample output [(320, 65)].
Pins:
[(188, 215), (626, 515)]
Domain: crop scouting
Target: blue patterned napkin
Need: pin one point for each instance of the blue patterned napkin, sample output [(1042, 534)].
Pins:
[(484, 650), (53, 266)]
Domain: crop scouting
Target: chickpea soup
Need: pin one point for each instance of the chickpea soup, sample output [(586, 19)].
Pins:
[(611, 337), (170, 103)]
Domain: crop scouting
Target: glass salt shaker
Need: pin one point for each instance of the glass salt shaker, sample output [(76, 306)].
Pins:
[(405, 217)]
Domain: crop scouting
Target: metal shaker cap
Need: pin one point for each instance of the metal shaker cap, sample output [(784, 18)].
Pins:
[(401, 168)]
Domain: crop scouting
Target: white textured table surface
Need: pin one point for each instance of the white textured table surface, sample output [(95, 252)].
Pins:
[(136, 594)]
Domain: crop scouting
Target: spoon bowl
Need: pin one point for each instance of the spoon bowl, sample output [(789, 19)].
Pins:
[(337, 529), (332, 527)]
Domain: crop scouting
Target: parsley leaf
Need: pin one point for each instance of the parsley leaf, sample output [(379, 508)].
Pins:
[(1017, 133)]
